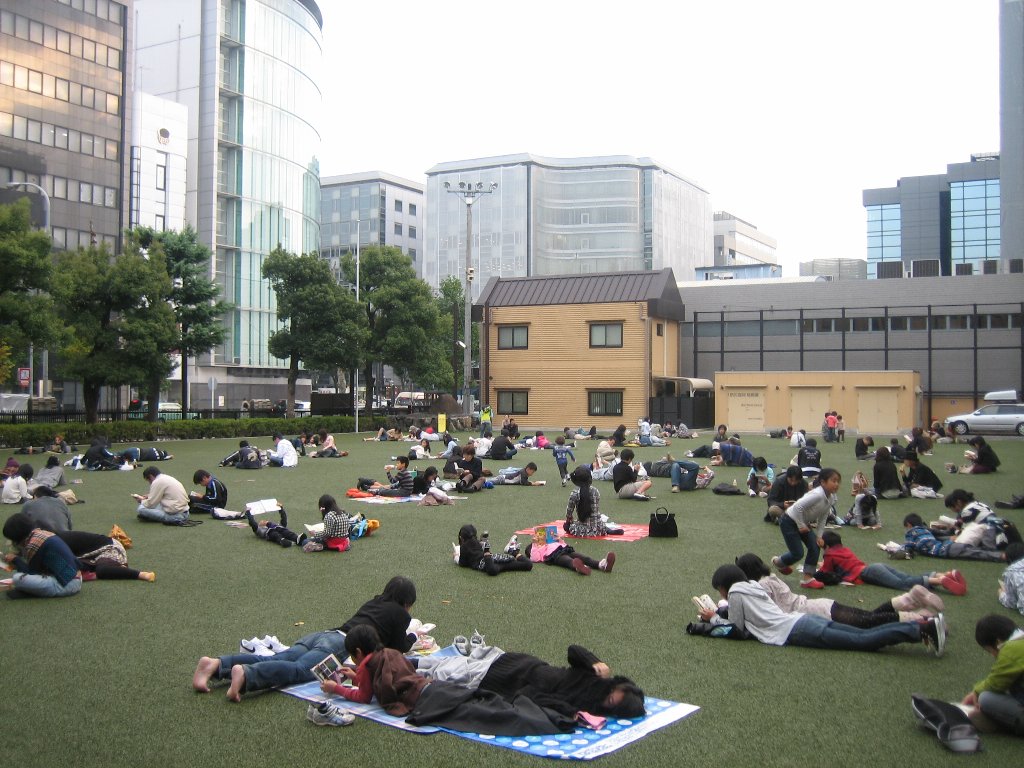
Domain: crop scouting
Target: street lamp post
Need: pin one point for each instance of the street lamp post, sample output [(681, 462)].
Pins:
[(355, 389), (46, 229), (469, 193)]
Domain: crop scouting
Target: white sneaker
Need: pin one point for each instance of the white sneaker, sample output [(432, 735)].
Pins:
[(274, 644), (751, 492), (254, 645), (328, 714), (675, 489)]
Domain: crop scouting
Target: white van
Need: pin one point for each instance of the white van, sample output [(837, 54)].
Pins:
[(409, 399)]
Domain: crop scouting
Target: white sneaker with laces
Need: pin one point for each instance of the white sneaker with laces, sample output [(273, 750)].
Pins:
[(274, 644), (254, 645), (328, 714)]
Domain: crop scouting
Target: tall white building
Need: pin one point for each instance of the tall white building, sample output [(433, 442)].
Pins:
[(158, 158), (556, 216), (248, 71)]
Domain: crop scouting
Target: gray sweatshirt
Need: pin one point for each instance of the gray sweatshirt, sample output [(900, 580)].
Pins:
[(751, 608)]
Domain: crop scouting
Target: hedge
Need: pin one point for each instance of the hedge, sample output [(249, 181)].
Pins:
[(81, 434)]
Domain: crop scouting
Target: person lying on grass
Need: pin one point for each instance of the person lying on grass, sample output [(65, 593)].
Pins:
[(922, 541), (548, 547), (101, 557), (397, 683), (472, 554), (387, 613), (916, 604), (846, 568), (752, 610)]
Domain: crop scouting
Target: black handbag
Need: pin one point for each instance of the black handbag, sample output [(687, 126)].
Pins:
[(663, 524)]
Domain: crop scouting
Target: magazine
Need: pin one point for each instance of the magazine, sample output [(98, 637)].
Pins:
[(328, 669), (704, 603)]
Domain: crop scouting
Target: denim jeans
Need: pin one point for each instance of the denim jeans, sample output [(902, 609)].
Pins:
[(882, 575), (157, 514), (687, 481), (288, 667), (39, 585), (818, 632), (275, 461), (1007, 709), (795, 542)]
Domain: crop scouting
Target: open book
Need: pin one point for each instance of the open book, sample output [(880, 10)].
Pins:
[(327, 669), (704, 603), (263, 506)]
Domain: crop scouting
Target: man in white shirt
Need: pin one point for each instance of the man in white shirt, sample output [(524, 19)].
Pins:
[(284, 454), (167, 500)]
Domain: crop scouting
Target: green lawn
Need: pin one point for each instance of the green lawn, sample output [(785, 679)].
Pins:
[(103, 678)]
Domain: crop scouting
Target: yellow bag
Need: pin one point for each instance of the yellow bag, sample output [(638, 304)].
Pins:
[(117, 532)]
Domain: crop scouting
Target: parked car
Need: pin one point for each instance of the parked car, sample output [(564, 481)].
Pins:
[(1000, 418), (301, 407)]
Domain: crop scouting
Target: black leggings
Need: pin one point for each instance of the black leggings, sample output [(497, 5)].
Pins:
[(105, 570), (858, 617)]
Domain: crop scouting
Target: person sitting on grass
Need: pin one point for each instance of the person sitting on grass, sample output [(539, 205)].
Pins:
[(583, 511), (850, 569), (99, 457), (752, 610), (548, 547), (976, 523), (43, 564), (864, 512), (215, 494), (421, 451), (1000, 696), (784, 493), (863, 448), (473, 555), (327, 448), (922, 541), (1011, 585), (47, 510), (625, 478), (760, 478), (52, 475), (102, 557), (470, 471), (982, 460), (910, 606), (275, 533), (919, 479), (284, 454), (337, 530), (401, 483), (802, 524), (517, 476), (167, 500), (16, 488), (387, 613)]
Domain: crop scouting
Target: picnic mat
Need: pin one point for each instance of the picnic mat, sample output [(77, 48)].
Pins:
[(398, 499), (581, 744), (630, 532)]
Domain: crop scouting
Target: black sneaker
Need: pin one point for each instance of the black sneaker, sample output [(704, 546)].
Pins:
[(933, 634)]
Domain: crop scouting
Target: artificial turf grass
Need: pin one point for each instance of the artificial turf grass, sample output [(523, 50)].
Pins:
[(124, 697)]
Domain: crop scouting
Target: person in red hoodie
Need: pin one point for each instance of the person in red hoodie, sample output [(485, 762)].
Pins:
[(850, 569)]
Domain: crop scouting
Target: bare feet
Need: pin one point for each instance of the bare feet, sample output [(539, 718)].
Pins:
[(237, 683), (147, 576), (205, 669)]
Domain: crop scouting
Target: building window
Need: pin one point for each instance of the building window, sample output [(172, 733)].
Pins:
[(1016, 266), (964, 269), (602, 403), (160, 226), (513, 337), (398, 229), (659, 329), (398, 206), (412, 254), (606, 334), (889, 269), (513, 401), (161, 177), (412, 209), (412, 231)]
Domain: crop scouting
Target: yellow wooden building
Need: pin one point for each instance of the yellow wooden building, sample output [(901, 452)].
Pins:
[(578, 350)]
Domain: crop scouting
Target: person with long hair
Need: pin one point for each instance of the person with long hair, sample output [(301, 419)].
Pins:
[(43, 564), (583, 512)]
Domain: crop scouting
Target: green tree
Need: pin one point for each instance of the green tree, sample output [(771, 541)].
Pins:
[(119, 325), (324, 329), (402, 318), (194, 297), (451, 305), (27, 314)]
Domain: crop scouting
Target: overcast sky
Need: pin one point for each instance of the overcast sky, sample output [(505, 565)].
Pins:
[(783, 111)]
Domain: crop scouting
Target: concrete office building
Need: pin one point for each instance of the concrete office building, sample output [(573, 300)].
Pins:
[(963, 337), (563, 216), (64, 113), (158, 156), (375, 207), (246, 70)]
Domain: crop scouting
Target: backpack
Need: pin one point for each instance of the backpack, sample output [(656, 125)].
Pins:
[(950, 724), (724, 489), (999, 533)]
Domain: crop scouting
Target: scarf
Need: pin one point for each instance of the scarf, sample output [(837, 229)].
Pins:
[(35, 540)]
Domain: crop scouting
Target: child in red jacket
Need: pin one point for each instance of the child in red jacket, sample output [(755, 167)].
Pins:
[(847, 568)]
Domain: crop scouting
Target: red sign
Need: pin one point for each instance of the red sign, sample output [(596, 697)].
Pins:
[(24, 377)]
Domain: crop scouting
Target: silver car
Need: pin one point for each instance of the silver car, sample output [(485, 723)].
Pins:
[(1002, 417)]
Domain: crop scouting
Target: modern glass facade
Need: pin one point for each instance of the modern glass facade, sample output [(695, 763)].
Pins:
[(974, 226), (565, 216), (884, 241), (63, 113), (268, 177)]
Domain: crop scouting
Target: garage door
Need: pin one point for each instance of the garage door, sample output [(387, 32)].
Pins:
[(878, 410), (807, 406), (745, 410)]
